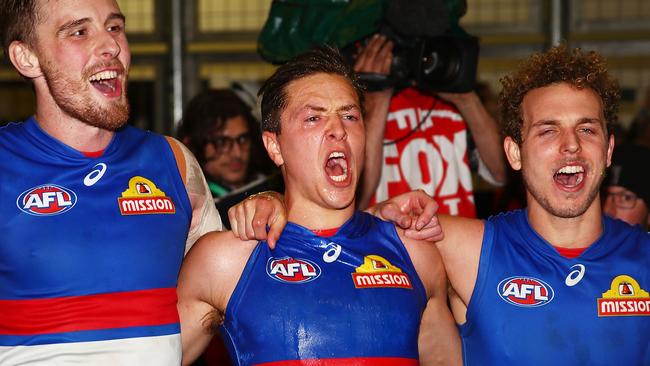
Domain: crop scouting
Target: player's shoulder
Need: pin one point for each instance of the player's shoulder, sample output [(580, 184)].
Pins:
[(461, 228), (221, 243)]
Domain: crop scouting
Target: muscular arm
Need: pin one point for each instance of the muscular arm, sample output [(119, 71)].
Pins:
[(205, 217), (484, 130), (460, 251), (438, 340), (207, 279)]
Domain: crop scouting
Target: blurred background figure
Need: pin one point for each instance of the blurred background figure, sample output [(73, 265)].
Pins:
[(220, 130), (626, 192), (639, 130)]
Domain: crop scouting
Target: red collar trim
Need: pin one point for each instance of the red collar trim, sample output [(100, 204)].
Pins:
[(326, 233)]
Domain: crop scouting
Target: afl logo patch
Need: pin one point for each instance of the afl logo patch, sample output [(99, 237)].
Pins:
[(292, 270), (525, 291), (46, 200)]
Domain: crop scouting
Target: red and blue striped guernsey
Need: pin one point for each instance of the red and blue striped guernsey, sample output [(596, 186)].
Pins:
[(90, 251)]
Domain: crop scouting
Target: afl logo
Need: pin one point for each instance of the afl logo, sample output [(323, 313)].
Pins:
[(46, 200), (292, 270), (525, 291)]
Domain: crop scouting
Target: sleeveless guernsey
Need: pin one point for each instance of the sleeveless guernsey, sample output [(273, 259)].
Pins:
[(532, 306), (87, 274), (350, 299)]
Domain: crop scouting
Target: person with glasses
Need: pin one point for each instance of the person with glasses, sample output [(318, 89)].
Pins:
[(219, 128), (627, 189)]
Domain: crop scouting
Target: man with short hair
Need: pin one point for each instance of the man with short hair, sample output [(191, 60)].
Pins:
[(627, 187), (96, 215), (341, 287), (558, 283)]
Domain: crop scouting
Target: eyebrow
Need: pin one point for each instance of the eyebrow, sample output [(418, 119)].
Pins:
[(553, 122), (75, 23), (544, 122), (590, 120), (345, 108)]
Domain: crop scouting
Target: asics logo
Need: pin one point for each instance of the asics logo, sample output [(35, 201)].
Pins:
[(95, 175), (332, 253), (575, 276)]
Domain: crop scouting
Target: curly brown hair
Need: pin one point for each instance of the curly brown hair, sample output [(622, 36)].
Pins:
[(558, 64)]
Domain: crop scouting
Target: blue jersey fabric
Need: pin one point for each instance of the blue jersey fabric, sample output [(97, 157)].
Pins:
[(80, 232), (352, 296), (532, 306)]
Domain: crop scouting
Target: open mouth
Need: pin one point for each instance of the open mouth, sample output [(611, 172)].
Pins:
[(336, 167), (105, 81), (569, 176)]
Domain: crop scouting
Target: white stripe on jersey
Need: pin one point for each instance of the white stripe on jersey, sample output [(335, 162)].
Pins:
[(161, 350)]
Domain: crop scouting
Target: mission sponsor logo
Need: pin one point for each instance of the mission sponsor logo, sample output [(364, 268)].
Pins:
[(46, 200), (525, 291), (144, 198), (376, 272), (625, 297), (292, 270)]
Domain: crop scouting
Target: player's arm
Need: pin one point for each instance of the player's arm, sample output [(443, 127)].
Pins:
[(205, 217), (460, 250), (485, 132), (438, 339), (208, 277), (414, 211)]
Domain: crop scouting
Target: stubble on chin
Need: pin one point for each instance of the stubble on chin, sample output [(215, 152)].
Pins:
[(570, 210), (75, 98)]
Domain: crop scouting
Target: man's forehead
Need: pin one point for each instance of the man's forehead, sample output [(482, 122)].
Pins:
[(537, 103), (314, 91), (66, 10)]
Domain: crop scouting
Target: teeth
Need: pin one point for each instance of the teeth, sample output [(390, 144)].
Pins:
[(104, 75), (344, 165), (340, 178), (571, 169)]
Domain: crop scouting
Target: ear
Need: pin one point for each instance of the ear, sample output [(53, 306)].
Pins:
[(610, 149), (512, 152), (272, 146), (24, 59)]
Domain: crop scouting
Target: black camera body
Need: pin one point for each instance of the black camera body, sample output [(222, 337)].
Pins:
[(444, 63)]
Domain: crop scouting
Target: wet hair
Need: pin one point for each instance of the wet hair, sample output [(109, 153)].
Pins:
[(322, 59), (206, 114), (18, 20), (557, 65)]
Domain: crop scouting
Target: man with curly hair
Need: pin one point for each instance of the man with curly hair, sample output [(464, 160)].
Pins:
[(558, 282)]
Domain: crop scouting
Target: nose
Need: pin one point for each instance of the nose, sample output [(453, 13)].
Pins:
[(570, 142), (336, 128), (236, 149), (108, 47)]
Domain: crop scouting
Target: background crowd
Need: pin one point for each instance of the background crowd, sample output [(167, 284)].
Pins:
[(440, 135)]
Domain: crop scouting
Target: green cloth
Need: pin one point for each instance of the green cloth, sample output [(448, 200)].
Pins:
[(217, 190), (294, 26)]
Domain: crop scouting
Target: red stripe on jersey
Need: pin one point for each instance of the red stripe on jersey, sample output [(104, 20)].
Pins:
[(326, 233), (363, 361), (570, 253), (90, 312)]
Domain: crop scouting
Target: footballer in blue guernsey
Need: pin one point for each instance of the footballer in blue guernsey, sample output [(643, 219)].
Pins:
[(557, 283), (341, 287)]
